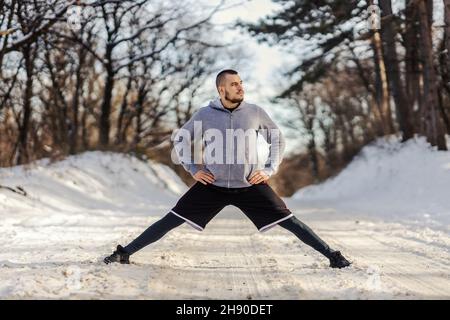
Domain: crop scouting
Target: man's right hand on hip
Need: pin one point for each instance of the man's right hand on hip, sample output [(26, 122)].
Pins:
[(204, 177)]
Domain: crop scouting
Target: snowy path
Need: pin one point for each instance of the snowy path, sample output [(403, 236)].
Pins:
[(229, 260), (53, 239)]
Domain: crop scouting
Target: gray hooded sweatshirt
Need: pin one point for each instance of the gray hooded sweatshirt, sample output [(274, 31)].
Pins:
[(225, 143)]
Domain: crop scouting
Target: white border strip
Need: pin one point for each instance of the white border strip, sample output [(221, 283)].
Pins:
[(265, 228), (193, 224)]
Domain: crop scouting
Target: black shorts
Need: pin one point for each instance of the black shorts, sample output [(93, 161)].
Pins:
[(258, 202)]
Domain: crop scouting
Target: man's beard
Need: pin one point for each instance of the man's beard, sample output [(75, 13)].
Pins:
[(236, 100)]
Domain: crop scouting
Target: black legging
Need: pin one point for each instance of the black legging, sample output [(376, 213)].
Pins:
[(170, 221), (305, 234), (155, 232)]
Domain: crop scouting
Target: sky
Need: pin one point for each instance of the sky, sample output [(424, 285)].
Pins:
[(264, 60)]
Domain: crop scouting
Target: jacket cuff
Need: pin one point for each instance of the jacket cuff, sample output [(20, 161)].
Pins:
[(194, 168), (269, 171)]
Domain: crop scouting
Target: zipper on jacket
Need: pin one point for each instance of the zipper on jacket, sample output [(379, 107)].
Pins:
[(232, 149)]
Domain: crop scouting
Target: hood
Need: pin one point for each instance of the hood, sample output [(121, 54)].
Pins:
[(217, 104)]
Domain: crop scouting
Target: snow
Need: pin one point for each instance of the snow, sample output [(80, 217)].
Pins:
[(91, 181), (398, 182), (77, 210)]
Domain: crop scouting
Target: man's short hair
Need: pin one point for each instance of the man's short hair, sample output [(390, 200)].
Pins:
[(221, 75)]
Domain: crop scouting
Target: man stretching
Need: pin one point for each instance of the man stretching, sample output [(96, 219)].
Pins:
[(229, 173)]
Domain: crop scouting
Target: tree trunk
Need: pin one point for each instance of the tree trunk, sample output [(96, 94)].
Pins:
[(76, 101), (445, 59), (328, 146), (120, 135), (381, 86), (447, 27), (139, 107), (433, 121), (383, 112), (105, 124), (412, 63), (8, 26), (23, 155), (388, 35), (84, 130), (444, 89), (312, 150)]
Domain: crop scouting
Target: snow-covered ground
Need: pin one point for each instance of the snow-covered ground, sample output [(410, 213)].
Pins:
[(389, 180), (388, 211)]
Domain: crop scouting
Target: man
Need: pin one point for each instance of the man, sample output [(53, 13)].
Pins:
[(224, 180)]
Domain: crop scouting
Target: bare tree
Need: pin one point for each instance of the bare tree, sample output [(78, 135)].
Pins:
[(447, 27), (29, 52), (432, 120), (119, 15), (382, 94), (45, 15), (306, 107), (388, 36)]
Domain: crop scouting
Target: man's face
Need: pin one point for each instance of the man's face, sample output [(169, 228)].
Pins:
[(231, 88)]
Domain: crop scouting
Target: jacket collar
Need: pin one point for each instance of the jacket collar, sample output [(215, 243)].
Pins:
[(217, 104)]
